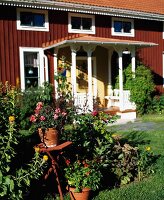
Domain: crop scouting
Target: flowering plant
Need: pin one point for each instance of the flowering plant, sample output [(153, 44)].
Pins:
[(83, 174), (45, 116)]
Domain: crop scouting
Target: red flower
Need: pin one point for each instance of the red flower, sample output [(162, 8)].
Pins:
[(94, 113), (32, 118), (86, 165), (67, 162)]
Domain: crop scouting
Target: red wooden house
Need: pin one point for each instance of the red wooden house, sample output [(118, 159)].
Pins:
[(94, 36)]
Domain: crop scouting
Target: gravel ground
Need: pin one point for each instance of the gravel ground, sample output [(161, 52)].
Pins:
[(137, 125)]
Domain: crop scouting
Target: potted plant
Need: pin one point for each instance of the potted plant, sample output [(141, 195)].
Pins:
[(82, 177), (49, 121)]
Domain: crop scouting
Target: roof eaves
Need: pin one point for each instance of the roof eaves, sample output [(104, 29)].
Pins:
[(75, 7), (80, 42)]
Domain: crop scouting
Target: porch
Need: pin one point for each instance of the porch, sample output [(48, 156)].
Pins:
[(98, 71)]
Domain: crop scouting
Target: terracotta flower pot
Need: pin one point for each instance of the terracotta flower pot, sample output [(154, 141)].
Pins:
[(83, 195), (50, 137)]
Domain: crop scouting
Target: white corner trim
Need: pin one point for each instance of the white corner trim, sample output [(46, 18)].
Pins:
[(70, 30), (132, 34), (41, 66), (32, 28)]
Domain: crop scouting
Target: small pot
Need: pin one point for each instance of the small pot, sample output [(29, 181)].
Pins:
[(50, 137), (83, 195)]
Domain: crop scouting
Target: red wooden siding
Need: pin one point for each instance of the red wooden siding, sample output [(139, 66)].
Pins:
[(11, 39)]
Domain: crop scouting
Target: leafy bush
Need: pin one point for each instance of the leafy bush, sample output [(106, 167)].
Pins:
[(28, 100), (141, 87), (158, 104), (14, 178)]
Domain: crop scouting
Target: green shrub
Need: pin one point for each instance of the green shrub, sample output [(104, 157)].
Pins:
[(158, 104), (141, 87), (28, 100), (15, 177)]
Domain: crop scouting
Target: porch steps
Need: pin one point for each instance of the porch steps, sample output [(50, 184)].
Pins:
[(126, 114)]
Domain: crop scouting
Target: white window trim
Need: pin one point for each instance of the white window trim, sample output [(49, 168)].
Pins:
[(70, 30), (123, 34), (41, 61), (32, 28)]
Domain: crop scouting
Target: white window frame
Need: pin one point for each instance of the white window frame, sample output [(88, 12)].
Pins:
[(122, 33), (32, 28), (41, 64), (70, 30)]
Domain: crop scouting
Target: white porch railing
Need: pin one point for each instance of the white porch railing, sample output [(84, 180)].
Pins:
[(114, 99), (82, 102)]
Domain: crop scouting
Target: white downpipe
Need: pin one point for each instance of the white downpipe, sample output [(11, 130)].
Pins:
[(121, 81)]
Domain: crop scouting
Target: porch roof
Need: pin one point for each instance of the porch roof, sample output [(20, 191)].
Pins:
[(97, 41)]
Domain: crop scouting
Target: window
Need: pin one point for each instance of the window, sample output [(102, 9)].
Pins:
[(31, 67), (81, 23), (32, 20), (122, 27)]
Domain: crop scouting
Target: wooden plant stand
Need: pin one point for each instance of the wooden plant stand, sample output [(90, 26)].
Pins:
[(53, 153)]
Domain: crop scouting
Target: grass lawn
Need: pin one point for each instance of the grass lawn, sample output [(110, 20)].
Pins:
[(151, 188)]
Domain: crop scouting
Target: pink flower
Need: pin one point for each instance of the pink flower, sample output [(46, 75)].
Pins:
[(57, 110), (39, 106), (36, 111), (42, 118), (64, 113), (56, 116), (32, 118), (94, 113)]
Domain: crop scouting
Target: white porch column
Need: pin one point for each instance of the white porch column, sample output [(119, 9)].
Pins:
[(74, 49), (56, 71), (89, 49), (133, 60), (109, 72), (94, 78), (46, 68), (89, 60), (121, 80)]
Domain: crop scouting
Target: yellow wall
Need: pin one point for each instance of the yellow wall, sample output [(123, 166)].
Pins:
[(81, 72), (102, 73)]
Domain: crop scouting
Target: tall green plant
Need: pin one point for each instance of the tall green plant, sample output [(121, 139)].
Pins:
[(141, 86), (14, 180)]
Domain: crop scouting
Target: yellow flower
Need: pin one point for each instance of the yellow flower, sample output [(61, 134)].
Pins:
[(11, 119), (148, 148), (45, 157), (114, 135), (37, 149)]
